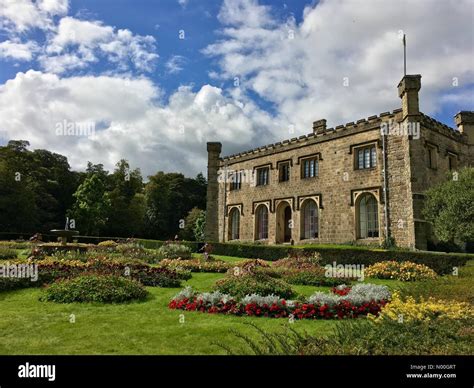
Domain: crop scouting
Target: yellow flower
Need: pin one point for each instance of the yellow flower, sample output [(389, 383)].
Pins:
[(408, 309)]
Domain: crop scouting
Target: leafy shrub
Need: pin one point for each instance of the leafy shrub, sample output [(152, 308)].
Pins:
[(408, 309), (441, 263), (70, 255), (311, 278), (405, 271), (51, 269), (310, 261), (108, 244), (362, 337), (218, 266), (95, 288), (254, 283), (7, 254), (175, 251), (15, 244)]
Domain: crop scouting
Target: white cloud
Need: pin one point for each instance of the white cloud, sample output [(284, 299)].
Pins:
[(131, 120), (18, 16), (70, 43), (175, 64), (183, 3), (78, 43), (300, 68), (17, 50)]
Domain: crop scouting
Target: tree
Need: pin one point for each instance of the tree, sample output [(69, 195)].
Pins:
[(92, 205), (200, 226), (189, 230), (169, 198), (37, 188), (449, 207), (127, 202)]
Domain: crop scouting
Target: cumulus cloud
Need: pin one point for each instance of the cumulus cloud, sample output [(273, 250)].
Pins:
[(130, 120), (78, 43), (18, 16), (71, 43), (16, 50), (341, 62), (344, 60)]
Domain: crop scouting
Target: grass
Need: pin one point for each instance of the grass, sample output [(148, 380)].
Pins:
[(29, 326), (458, 287), (32, 327)]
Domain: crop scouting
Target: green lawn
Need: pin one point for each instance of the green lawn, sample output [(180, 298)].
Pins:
[(28, 326)]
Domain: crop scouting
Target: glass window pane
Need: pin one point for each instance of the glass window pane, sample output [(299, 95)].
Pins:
[(373, 157), (360, 157), (367, 158)]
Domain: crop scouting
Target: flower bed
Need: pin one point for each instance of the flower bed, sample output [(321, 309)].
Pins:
[(409, 310), (50, 270), (362, 299), (246, 283), (218, 266), (405, 271)]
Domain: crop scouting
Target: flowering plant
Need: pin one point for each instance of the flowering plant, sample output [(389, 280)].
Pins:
[(405, 271), (362, 301), (408, 309)]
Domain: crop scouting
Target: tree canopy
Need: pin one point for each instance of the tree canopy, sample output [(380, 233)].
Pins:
[(449, 207), (38, 190)]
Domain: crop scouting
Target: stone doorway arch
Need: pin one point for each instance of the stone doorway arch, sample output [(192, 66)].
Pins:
[(284, 222)]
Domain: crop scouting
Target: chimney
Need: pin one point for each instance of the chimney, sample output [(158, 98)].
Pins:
[(212, 206), (319, 126), (408, 89), (465, 122)]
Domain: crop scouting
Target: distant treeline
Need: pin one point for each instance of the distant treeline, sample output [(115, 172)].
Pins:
[(38, 190)]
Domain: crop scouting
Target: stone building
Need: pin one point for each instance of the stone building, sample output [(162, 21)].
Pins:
[(331, 186)]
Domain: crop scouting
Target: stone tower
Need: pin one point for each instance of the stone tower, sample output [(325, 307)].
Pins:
[(212, 203)]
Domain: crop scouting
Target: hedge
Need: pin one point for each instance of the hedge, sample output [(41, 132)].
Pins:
[(441, 263)]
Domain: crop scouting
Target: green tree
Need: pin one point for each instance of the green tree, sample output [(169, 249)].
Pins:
[(200, 226), (189, 232), (92, 205), (449, 207), (169, 198), (127, 209)]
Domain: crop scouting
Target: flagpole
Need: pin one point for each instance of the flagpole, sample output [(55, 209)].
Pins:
[(404, 55)]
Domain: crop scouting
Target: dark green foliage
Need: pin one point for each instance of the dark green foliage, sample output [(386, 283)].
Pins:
[(363, 337), (174, 251), (450, 207), (254, 283), (312, 278), (441, 263), (92, 205), (7, 254), (95, 288), (35, 188), (169, 198), (193, 225)]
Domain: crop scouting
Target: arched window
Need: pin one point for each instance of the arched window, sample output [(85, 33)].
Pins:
[(309, 220), (368, 217), (261, 223), (234, 224)]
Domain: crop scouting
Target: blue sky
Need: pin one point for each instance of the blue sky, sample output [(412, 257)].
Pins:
[(247, 72)]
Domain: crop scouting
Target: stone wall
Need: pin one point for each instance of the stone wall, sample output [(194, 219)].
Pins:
[(339, 184)]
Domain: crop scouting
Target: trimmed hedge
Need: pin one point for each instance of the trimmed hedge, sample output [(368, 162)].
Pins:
[(441, 263)]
